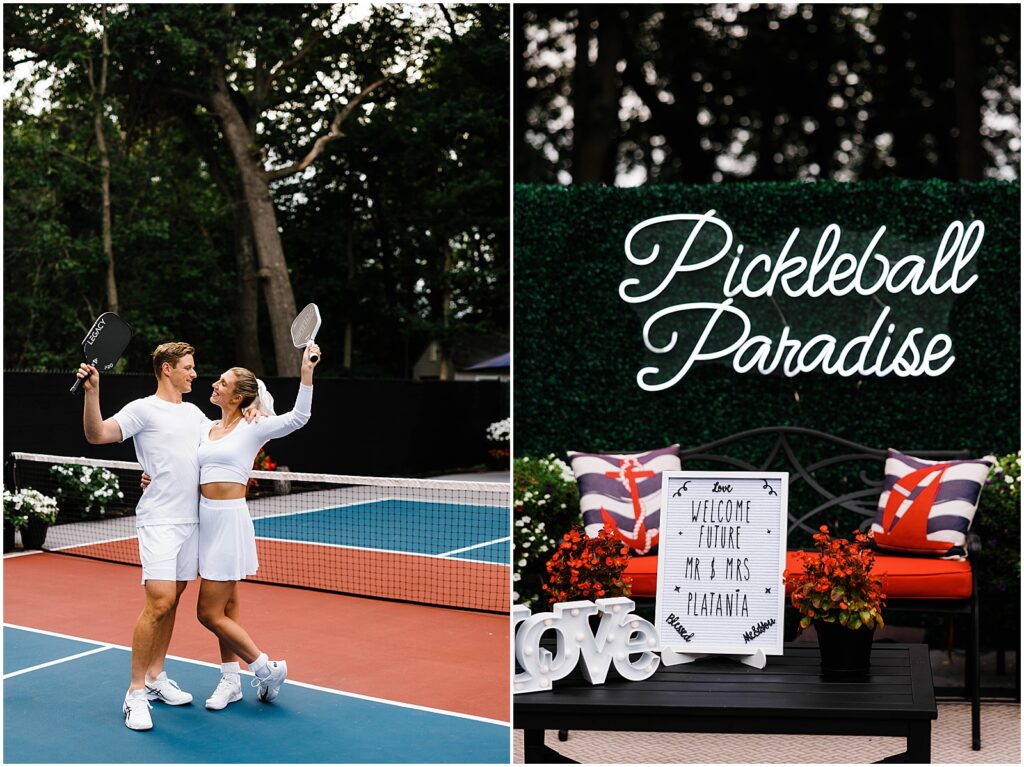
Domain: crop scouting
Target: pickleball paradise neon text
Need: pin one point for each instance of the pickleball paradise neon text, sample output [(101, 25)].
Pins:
[(869, 274)]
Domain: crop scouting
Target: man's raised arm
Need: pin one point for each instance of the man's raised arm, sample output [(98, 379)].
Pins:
[(97, 431)]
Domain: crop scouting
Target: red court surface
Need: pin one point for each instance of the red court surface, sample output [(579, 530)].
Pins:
[(444, 659)]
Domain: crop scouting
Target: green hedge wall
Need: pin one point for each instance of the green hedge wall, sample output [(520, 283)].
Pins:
[(578, 346)]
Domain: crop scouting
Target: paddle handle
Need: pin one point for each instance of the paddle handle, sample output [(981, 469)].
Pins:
[(312, 357), (77, 386)]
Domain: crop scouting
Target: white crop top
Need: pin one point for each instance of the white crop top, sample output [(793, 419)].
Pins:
[(229, 459)]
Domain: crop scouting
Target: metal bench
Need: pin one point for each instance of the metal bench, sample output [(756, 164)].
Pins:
[(837, 482)]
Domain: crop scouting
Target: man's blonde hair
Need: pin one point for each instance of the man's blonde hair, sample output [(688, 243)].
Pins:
[(169, 353)]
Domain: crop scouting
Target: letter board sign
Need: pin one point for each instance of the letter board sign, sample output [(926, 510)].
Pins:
[(721, 557)]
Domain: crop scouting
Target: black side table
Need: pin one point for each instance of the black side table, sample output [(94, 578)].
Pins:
[(789, 696)]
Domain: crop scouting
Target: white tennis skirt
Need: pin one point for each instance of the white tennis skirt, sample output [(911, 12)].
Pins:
[(227, 540)]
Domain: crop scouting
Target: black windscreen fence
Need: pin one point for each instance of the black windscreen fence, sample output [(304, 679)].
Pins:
[(370, 427)]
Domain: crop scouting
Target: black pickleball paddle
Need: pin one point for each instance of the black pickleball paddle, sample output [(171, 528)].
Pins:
[(104, 344)]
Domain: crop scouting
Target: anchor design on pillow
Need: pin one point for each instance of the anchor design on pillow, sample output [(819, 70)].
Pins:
[(642, 539)]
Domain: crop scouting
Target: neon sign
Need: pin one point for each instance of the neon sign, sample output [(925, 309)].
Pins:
[(883, 347)]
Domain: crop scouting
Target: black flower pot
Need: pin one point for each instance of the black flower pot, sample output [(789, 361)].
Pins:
[(843, 650), (8, 538), (33, 535)]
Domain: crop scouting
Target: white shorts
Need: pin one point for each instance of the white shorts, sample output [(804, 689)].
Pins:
[(227, 540), (169, 552)]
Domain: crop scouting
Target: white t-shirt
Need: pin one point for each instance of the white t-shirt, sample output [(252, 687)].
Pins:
[(229, 459), (166, 441)]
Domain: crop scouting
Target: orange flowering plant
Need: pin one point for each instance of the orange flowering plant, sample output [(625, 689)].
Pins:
[(587, 568), (836, 584), (262, 462)]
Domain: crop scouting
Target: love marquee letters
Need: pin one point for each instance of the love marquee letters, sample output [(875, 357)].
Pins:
[(621, 636)]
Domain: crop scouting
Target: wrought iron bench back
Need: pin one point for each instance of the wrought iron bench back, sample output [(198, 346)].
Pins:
[(827, 474)]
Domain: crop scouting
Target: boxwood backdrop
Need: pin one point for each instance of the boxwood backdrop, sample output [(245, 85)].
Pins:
[(579, 346)]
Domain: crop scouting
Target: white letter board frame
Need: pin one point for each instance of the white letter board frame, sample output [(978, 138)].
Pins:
[(675, 518)]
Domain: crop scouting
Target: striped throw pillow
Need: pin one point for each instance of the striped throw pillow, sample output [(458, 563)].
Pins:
[(622, 492), (927, 507)]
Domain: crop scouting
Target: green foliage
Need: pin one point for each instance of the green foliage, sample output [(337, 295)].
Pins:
[(423, 198), (415, 173), (579, 346), (997, 524), (547, 505)]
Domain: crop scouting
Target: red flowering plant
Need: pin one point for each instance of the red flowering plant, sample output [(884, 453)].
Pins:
[(588, 568), (836, 584), (262, 462)]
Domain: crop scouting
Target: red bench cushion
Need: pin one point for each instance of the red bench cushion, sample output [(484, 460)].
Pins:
[(902, 577)]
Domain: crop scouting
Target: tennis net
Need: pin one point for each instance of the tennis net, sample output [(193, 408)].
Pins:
[(434, 542)]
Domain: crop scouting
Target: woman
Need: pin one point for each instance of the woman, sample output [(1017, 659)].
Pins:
[(227, 540)]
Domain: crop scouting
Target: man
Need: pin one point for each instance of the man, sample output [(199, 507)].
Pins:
[(166, 433)]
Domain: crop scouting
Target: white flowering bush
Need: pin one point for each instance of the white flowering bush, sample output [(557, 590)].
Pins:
[(22, 506), (547, 504), (500, 431), (89, 490)]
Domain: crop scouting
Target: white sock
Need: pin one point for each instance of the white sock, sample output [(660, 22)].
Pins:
[(230, 668), (134, 693), (259, 666)]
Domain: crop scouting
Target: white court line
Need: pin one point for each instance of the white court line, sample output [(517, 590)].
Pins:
[(475, 546), (332, 691), (58, 661), (87, 544)]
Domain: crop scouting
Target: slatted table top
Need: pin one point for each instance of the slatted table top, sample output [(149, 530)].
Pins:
[(791, 687)]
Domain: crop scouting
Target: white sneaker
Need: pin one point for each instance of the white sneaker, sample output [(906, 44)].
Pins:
[(229, 690), (136, 711), (271, 686), (167, 690)]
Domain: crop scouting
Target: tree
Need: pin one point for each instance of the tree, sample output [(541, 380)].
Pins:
[(249, 66), (396, 222), (705, 93)]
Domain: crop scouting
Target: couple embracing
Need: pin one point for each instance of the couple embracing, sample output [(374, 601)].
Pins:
[(192, 519)]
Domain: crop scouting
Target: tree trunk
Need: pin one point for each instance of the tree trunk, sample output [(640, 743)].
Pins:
[(277, 287), (99, 92), (967, 96), (247, 342), (447, 365), (346, 362), (595, 94)]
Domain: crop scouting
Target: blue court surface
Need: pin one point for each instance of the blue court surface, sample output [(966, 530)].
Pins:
[(62, 703), (460, 531)]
